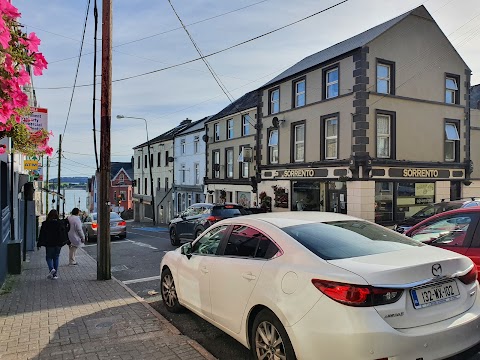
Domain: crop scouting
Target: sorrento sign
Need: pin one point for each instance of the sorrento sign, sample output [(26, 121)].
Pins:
[(427, 173)]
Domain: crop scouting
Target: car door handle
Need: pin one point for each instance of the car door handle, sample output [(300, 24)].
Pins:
[(249, 276), (204, 270)]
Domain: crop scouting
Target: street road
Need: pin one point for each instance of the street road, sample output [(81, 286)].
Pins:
[(136, 262)]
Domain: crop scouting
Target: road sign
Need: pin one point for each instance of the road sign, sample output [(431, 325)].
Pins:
[(30, 164), (37, 120)]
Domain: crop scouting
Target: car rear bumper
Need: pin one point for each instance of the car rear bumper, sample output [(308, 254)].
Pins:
[(360, 333)]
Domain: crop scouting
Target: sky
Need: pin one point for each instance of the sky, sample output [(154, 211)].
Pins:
[(147, 36)]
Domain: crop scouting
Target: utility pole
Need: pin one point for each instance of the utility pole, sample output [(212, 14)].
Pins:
[(103, 248), (58, 176), (48, 187)]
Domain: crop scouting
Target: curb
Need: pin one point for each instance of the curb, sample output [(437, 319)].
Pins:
[(168, 325)]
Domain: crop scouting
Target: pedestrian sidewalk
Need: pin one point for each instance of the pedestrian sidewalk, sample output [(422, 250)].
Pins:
[(78, 317)]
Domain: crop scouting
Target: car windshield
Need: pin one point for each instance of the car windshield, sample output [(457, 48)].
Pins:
[(428, 211), (113, 216), (347, 239), (227, 211)]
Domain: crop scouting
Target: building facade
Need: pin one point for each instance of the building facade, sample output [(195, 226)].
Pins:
[(473, 188), (230, 153), (376, 126), (121, 189), (189, 165)]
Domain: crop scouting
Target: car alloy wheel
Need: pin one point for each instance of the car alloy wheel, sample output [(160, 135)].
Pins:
[(174, 240), (169, 292), (268, 339)]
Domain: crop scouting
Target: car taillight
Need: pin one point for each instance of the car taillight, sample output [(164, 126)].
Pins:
[(122, 223), (357, 295), (470, 277), (94, 225), (212, 218)]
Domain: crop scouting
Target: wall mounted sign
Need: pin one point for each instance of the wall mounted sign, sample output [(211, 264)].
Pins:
[(419, 173)]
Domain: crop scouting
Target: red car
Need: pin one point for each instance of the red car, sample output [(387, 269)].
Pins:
[(456, 230)]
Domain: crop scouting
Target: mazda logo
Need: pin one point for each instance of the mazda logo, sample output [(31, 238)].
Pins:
[(437, 269)]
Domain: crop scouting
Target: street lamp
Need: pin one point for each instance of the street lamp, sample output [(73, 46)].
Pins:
[(150, 161)]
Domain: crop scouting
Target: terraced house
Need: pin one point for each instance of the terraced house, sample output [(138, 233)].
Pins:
[(376, 126), (230, 137)]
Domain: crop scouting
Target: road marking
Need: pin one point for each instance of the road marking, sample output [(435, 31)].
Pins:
[(134, 281), (142, 244), (152, 236)]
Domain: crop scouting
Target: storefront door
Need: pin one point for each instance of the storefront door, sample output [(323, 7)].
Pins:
[(337, 197)]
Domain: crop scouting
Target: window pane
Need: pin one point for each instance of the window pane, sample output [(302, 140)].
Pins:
[(300, 100), (383, 125), (274, 154), (383, 86), (331, 147), (273, 140), (450, 97), (299, 132), (449, 150), (331, 127), (449, 231), (299, 152), (383, 71), (383, 147), (242, 242), (332, 76), (451, 132), (300, 86), (332, 90), (275, 95), (383, 201), (451, 84), (208, 243)]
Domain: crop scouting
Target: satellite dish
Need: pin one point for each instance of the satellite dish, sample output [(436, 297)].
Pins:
[(275, 122), (205, 138)]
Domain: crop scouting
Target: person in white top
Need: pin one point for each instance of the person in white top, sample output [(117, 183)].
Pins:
[(75, 235)]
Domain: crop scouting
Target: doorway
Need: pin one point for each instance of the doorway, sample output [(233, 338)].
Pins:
[(337, 197)]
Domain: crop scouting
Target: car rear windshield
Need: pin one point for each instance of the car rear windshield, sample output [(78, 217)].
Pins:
[(113, 216), (228, 211), (347, 239)]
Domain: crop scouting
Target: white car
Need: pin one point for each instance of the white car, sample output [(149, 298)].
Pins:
[(305, 285)]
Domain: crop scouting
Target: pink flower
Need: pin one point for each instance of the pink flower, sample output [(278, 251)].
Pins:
[(23, 78), (33, 42), (8, 9), (2, 149), (6, 110), (8, 127), (9, 64), (39, 64), (49, 151), (5, 36), (19, 99)]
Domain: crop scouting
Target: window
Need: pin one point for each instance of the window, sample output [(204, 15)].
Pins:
[(331, 138), (451, 89), (115, 195), (138, 186), (183, 146), (449, 230), (452, 142), (122, 195), (216, 130), (197, 174), (216, 164), (138, 162), (229, 155), (183, 171), (166, 184), (146, 186), (166, 158), (179, 203), (299, 91), (196, 142), (159, 184), (145, 161), (247, 242), (208, 243), (121, 178), (273, 146), (331, 83), (159, 157), (299, 143), (384, 139), (385, 77), (274, 103), (246, 125), (151, 160), (244, 165), (230, 129)]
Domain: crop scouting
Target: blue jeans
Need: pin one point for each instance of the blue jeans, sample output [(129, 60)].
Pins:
[(52, 255)]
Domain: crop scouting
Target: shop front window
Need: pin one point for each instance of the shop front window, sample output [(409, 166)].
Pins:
[(306, 196), (383, 201)]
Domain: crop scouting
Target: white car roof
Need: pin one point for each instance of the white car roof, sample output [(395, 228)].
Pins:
[(291, 218)]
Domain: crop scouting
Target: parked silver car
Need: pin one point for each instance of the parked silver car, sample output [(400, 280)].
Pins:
[(118, 226)]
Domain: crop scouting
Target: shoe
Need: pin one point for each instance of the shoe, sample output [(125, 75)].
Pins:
[(51, 274), (55, 277), (73, 263)]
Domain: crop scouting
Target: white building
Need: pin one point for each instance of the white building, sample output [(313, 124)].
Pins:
[(189, 153)]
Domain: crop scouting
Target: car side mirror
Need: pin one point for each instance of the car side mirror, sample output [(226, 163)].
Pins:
[(187, 250)]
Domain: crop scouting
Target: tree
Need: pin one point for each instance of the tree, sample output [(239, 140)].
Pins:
[(18, 54)]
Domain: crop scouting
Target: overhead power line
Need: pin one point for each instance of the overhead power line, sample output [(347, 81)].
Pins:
[(211, 54)]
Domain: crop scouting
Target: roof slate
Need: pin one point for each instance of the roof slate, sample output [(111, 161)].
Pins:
[(115, 167), (247, 101)]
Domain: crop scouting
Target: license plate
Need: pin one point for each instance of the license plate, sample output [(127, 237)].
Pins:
[(434, 294)]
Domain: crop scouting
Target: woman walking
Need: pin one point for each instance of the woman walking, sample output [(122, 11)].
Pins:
[(75, 235), (53, 235)]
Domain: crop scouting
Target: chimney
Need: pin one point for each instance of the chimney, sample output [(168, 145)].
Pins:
[(186, 121)]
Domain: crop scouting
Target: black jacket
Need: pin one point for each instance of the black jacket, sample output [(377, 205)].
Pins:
[(52, 233)]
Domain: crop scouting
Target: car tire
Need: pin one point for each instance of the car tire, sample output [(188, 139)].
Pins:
[(123, 236), (169, 292), (197, 233), (174, 239), (270, 326)]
